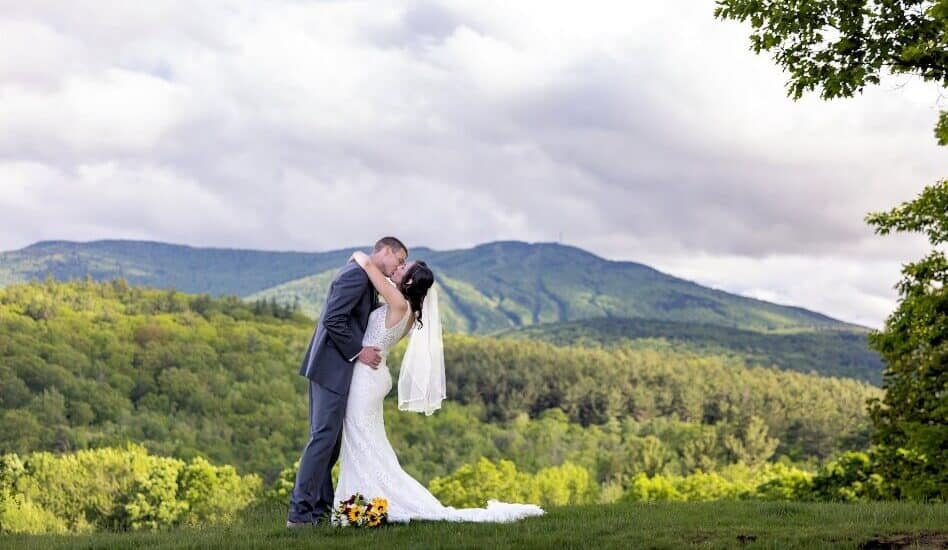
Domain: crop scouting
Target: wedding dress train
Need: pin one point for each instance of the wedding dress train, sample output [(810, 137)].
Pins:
[(368, 464)]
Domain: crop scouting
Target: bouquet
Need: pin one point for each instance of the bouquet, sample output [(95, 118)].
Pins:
[(356, 511)]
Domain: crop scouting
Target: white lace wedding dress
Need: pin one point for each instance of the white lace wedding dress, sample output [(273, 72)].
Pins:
[(368, 464)]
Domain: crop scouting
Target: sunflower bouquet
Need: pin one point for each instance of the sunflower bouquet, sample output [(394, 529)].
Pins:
[(356, 511)]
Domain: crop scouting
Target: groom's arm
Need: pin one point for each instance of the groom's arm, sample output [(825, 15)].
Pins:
[(346, 292)]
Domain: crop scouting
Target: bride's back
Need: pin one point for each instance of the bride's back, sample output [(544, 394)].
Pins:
[(380, 336)]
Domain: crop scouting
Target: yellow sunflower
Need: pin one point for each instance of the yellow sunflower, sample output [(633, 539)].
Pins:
[(355, 513), (380, 504)]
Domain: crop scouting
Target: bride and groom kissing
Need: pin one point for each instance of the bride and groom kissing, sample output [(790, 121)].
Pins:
[(349, 379)]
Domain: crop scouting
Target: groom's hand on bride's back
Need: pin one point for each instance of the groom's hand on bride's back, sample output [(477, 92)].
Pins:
[(371, 356)]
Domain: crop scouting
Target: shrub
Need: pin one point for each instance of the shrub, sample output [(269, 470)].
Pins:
[(850, 477), (473, 485), (117, 489)]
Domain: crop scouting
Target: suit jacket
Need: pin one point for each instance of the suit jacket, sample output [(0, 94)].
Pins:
[(337, 339)]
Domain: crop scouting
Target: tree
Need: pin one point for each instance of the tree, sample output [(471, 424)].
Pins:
[(848, 478), (839, 47), (473, 485), (751, 445), (911, 420)]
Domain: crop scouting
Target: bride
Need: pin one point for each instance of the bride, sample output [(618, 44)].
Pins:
[(368, 464)]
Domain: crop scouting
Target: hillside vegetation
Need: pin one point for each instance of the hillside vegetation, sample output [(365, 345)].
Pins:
[(830, 352), (89, 364)]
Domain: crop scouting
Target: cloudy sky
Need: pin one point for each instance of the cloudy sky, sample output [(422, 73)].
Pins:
[(639, 131)]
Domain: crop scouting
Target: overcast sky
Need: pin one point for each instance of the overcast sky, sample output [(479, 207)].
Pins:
[(639, 131)]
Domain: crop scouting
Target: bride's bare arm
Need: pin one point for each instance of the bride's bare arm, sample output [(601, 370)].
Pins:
[(393, 297)]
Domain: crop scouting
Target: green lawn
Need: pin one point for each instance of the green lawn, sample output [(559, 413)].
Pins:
[(663, 525)]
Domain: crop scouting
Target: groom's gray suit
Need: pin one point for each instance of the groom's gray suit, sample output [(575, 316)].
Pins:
[(328, 364)]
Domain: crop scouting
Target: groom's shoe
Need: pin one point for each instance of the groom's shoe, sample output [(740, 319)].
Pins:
[(300, 524)]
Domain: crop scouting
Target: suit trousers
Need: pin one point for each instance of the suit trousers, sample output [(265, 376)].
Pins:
[(312, 497)]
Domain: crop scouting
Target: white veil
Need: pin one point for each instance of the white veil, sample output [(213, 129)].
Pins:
[(421, 381)]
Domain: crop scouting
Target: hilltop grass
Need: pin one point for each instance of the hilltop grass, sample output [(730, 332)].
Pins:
[(659, 525)]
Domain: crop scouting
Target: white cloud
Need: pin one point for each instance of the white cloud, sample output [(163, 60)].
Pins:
[(107, 115), (643, 132), (110, 199)]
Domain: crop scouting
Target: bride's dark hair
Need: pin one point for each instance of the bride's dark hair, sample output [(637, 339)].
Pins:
[(414, 287)]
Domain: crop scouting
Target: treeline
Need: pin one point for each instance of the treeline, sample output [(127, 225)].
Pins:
[(128, 489), (846, 479), (611, 452), (272, 308), (826, 351), (810, 416), (86, 365)]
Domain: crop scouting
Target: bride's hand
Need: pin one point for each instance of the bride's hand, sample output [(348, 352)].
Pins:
[(361, 258)]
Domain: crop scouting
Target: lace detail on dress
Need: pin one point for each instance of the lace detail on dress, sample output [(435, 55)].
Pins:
[(376, 334), (368, 464)]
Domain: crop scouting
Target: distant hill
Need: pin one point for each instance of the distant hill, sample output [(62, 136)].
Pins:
[(829, 352), (490, 288), (215, 271)]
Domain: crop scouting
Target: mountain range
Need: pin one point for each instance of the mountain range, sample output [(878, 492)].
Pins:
[(544, 291), (486, 289)]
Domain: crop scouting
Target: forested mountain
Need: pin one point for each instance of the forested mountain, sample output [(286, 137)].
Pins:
[(827, 351), (215, 271), (486, 289), (89, 364)]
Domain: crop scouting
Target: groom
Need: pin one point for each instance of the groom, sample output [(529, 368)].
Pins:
[(334, 348)]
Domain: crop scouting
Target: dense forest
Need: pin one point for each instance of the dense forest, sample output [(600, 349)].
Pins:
[(833, 352), (88, 364), (199, 381)]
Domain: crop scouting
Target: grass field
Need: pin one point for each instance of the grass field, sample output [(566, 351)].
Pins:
[(661, 525)]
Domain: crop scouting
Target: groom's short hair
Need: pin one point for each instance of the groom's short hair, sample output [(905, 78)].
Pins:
[(392, 243)]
